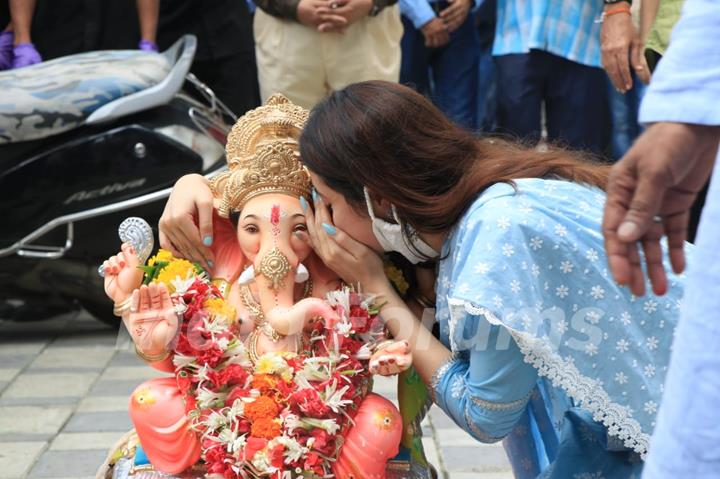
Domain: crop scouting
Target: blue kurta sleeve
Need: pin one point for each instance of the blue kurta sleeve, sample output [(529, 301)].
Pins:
[(486, 393)]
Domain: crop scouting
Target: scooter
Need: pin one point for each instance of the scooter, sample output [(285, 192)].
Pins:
[(86, 141)]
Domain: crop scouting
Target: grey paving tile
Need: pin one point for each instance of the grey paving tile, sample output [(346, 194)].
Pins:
[(115, 388), (16, 458), (91, 339), (15, 361), (33, 419), (127, 373), (126, 358), (54, 464), (23, 437), (104, 404), (69, 358), (99, 422), (39, 401), (51, 385), (78, 441), (8, 374), (14, 347), (474, 459)]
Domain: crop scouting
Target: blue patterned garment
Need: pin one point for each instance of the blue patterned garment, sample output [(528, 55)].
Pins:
[(549, 351), (566, 28)]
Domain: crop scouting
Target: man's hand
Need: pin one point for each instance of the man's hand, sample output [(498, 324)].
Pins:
[(321, 15), (349, 10), (620, 42), (454, 15), (436, 33), (649, 195)]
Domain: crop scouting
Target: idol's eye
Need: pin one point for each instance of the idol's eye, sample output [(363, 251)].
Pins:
[(300, 227), (251, 228)]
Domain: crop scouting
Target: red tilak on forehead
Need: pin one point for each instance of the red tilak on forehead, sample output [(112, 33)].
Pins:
[(275, 215)]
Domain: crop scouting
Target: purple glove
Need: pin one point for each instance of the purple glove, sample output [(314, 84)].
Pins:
[(25, 55), (148, 46), (6, 50)]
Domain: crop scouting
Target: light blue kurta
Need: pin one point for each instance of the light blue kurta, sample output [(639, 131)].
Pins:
[(686, 88), (550, 352)]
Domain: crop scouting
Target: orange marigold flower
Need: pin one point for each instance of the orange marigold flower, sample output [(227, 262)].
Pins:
[(261, 408), (265, 383), (266, 428)]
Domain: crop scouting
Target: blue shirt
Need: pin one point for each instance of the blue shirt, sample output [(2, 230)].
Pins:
[(566, 28), (420, 11), (544, 339), (685, 88)]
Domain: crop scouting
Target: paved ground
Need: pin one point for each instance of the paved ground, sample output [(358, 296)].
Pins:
[(64, 388)]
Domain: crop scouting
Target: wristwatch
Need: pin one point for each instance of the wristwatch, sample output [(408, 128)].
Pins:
[(614, 2)]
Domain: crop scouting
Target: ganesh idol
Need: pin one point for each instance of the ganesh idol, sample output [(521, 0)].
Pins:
[(270, 354)]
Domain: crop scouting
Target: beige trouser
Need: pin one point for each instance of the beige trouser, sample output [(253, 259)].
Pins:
[(306, 65)]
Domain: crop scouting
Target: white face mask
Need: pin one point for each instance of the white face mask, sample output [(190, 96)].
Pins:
[(391, 237)]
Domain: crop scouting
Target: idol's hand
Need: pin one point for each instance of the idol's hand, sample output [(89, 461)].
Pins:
[(122, 274), (392, 359), (152, 321), (186, 223), (354, 262)]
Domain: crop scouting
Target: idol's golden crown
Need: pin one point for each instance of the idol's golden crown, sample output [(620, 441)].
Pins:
[(263, 156)]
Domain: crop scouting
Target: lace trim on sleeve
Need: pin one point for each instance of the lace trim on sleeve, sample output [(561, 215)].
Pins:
[(564, 375), (439, 374), (478, 433), (501, 406)]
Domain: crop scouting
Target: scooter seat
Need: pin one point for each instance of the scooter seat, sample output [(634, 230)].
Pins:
[(58, 95)]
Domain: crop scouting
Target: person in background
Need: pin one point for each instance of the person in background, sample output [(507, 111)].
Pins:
[(622, 58), (440, 55), (308, 48), (74, 21), (225, 57), (650, 192), (549, 53), (487, 84)]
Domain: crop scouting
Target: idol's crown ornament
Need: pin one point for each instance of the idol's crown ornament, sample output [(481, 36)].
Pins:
[(263, 156)]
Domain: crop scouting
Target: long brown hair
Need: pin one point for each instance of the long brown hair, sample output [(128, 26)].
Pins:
[(392, 140)]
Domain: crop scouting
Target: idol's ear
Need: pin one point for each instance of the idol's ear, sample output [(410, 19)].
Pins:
[(229, 259)]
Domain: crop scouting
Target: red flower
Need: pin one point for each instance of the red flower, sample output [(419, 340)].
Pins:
[(184, 381), (210, 356), (360, 319), (324, 443), (233, 375), (276, 456), (252, 446), (307, 402), (236, 393)]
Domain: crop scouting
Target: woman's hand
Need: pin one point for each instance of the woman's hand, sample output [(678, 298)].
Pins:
[(190, 200), (152, 321), (122, 275), (354, 262)]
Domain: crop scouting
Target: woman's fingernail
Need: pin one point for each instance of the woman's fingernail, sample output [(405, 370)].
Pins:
[(329, 229), (207, 240), (628, 230), (303, 204), (211, 264), (315, 195)]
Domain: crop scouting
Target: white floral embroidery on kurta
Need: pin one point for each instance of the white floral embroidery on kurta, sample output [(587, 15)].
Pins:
[(622, 346), (597, 292), (593, 317), (625, 318), (536, 243), (535, 270), (503, 223), (591, 349), (515, 286), (620, 378), (592, 255), (562, 291), (651, 407), (561, 231), (649, 370), (652, 342), (481, 268), (508, 250), (650, 306), (566, 267)]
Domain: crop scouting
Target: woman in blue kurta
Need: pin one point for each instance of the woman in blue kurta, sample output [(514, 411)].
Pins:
[(537, 344)]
